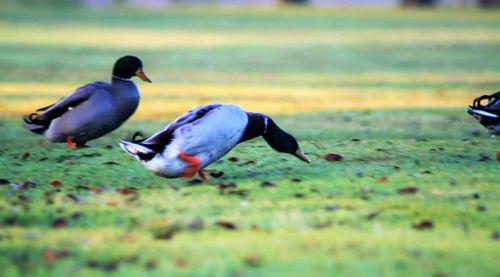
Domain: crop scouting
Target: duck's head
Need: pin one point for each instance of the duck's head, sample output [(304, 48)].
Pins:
[(129, 66), (282, 141)]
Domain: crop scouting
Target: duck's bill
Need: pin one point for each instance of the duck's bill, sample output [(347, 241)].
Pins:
[(299, 154), (140, 73)]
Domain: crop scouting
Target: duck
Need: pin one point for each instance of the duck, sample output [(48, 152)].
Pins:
[(487, 115), (202, 136), (92, 110)]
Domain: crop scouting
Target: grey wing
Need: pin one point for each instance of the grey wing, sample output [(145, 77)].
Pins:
[(79, 96), (214, 135), (164, 136)]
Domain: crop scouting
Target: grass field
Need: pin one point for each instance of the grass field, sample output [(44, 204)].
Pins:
[(416, 193)]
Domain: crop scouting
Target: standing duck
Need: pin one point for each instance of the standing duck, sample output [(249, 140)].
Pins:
[(488, 115), (202, 136), (92, 110)]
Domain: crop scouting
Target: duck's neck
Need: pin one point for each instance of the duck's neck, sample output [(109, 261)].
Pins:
[(257, 126), (119, 79), (263, 125), (123, 87), (126, 96)]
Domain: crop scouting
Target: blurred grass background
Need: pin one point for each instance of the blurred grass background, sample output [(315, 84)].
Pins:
[(309, 59)]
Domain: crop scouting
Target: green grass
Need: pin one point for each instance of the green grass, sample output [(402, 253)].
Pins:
[(338, 218), (111, 216)]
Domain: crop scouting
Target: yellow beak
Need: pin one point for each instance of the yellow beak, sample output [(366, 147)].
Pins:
[(299, 154), (139, 73)]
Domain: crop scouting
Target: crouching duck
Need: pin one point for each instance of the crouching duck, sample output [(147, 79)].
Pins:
[(92, 110), (488, 115), (202, 136)]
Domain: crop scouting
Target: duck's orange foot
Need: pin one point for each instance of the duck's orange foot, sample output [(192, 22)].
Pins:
[(70, 144), (192, 167), (203, 175)]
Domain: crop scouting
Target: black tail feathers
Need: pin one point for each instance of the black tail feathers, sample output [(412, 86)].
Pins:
[(35, 125)]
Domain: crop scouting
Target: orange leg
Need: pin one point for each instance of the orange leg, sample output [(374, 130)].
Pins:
[(203, 175), (193, 165), (70, 144)]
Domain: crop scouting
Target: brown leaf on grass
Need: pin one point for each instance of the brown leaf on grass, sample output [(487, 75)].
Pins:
[(331, 157), (60, 223), (247, 163), (194, 182), (127, 191), (56, 183), (233, 159), (382, 179), (25, 155), (110, 266), (483, 158), (76, 215), (27, 185), (63, 253), (498, 156), (372, 215), (253, 261), (226, 225), (167, 235), (423, 225), (180, 263), (407, 190), (267, 184), (217, 174), (91, 155), (151, 264), (223, 187), (240, 192), (23, 198), (80, 187), (96, 190)]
